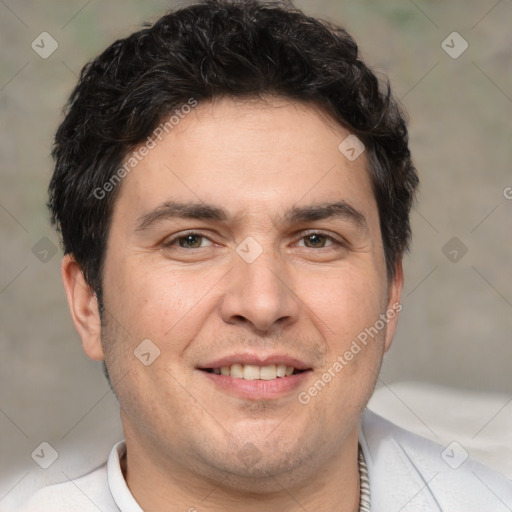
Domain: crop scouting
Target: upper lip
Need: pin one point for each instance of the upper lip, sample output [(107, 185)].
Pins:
[(258, 360)]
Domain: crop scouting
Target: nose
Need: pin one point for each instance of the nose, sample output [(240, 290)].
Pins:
[(260, 295)]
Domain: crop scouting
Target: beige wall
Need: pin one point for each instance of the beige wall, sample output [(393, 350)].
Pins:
[(457, 320)]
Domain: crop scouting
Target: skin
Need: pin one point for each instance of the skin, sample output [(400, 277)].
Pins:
[(302, 297)]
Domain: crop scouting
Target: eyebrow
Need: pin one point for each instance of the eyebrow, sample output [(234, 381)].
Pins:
[(172, 209), (323, 211), (203, 211)]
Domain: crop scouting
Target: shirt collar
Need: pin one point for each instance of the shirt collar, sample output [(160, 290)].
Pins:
[(118, 487), (126, 502)]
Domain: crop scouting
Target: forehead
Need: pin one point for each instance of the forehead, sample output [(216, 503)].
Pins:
[(257, 156)]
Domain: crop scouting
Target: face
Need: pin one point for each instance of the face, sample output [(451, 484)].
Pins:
[(246, 247)]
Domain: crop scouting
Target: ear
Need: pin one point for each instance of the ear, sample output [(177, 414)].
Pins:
[(394, 306), (83, 305)]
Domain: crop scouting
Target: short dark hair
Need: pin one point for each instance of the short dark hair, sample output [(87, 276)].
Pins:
[(219, 48)]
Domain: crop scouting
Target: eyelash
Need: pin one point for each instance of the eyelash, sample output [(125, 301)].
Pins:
[(169, 243)]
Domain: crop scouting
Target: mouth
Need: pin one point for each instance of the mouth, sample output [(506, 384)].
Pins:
[(255, 378), (255, 372)]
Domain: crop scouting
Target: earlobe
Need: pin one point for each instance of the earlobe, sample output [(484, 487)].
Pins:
[(83, 306), (394, 305)]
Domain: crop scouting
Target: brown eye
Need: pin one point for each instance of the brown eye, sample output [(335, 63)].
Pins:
[(316, 241), (190, 241), (184, 240)]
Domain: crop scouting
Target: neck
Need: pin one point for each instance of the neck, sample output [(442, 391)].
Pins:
[(332, 486)]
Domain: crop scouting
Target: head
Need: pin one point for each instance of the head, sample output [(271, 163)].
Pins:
[(209, 201)]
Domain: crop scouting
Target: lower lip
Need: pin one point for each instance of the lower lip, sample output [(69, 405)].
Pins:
[(258, 389)]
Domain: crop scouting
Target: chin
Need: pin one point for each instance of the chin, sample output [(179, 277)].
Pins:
[(266, 477), (249, 469)]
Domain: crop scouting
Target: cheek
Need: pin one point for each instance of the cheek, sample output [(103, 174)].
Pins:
[(161, 304), (344, 304)]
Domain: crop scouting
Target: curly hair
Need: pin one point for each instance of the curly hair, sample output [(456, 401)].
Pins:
[(210, 49)]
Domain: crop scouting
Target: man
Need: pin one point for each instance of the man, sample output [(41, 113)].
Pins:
[(233, 189)]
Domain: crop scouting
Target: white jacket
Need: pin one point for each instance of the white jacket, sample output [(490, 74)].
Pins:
[(407, 474)]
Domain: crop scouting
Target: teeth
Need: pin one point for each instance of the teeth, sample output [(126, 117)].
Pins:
[(251, 372), (281, 370), (254, 372), (268, 372), (237, 371)]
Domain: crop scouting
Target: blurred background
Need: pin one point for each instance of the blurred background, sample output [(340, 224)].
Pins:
[(450, 63)]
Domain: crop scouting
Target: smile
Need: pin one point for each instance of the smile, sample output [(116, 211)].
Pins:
[(255, 372)]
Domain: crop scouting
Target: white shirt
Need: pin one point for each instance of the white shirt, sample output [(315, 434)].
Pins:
[(407, 474)]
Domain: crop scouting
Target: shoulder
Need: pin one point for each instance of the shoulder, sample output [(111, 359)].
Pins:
[(86, 493), (409, 472)]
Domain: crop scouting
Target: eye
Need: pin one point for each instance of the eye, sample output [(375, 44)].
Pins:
[(317, 241), (189, 241)]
